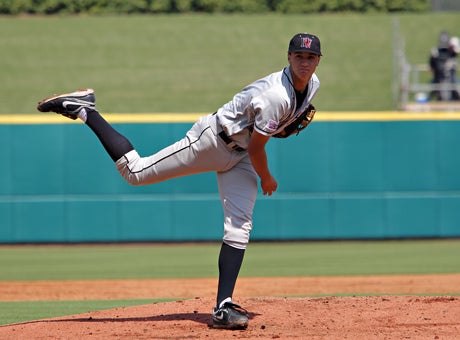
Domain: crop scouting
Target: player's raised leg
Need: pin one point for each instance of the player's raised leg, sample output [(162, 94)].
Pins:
[(82, 104), (68, 104)]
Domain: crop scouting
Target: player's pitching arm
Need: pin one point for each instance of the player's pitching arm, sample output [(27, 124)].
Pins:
[(258, 156)]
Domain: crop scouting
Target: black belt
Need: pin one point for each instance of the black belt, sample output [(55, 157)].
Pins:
[(229, 142)]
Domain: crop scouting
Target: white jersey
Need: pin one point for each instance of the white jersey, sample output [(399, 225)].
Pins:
[(267, 106)]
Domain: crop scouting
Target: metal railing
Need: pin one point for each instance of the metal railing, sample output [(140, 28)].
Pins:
[(413, 90)]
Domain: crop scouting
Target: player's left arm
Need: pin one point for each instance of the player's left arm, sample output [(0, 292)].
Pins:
[(258, 156)]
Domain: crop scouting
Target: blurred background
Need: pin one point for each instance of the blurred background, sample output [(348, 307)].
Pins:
[(193, 55)]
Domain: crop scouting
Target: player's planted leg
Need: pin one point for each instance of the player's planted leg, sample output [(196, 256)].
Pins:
[(227, 314)]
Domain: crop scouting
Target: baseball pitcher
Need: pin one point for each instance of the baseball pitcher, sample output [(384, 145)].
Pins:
[(230, 142)]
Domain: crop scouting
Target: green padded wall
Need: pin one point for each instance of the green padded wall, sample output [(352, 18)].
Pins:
[(337, 180)]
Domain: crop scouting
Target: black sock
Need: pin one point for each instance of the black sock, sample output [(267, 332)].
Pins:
[(230, 260), (114, 143)]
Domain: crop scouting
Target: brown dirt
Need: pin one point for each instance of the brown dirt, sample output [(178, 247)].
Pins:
[(398, 312)]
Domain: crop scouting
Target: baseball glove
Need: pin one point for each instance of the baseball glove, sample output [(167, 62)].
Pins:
[(299, 124)]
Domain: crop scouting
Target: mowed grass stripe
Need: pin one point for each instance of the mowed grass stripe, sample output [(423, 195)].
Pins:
[(195, 63), (136, 261)]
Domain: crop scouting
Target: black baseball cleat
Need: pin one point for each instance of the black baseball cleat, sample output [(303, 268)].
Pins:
[(68, 104), (230, 316)]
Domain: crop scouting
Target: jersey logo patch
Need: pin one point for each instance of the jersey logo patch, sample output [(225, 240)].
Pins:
[(271, 126)]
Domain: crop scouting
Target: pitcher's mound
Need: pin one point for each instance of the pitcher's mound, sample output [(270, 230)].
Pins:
[(383, 317)]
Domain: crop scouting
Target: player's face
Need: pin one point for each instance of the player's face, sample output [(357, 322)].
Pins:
[(303, 64)]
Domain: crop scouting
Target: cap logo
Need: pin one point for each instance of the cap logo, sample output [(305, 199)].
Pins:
[(305, 42)]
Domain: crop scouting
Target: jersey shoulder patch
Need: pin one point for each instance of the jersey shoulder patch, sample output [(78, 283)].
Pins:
[(271, 126)]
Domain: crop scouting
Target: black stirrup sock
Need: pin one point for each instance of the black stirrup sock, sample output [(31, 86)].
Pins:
[(114, 143), (230, 260)]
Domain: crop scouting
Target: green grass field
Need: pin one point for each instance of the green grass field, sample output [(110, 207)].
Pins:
[(137, 261), (89, 262), (195, 63)]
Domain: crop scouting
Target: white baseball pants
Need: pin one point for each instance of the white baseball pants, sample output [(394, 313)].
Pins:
[(202, 150)]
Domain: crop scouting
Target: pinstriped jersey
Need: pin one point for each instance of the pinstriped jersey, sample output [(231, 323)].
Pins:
[(267, 106)]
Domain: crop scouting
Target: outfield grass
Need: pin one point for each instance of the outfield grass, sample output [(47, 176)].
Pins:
[(90, 262), (195, 63)]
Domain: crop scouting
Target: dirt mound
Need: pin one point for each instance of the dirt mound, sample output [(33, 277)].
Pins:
[(383, 317), (387, 316)]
